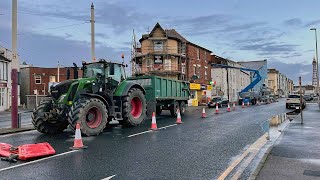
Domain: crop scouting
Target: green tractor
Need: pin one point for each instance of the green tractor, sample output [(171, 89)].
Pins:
[(101, 96)]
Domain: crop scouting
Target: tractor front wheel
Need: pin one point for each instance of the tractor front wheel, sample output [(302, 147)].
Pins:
[(45, 121), (134, 108), (92, 115)]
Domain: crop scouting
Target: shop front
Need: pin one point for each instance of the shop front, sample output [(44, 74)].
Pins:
[(200, 94)]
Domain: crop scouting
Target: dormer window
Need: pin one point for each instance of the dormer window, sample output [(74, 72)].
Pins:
[(158, 45)]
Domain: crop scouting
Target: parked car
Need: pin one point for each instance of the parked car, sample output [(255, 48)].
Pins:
[(307, 97), (218, 100), (293, 101)]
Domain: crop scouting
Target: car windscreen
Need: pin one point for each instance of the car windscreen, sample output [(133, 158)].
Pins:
[(294, 96)]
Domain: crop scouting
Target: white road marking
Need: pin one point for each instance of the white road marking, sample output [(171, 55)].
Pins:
[(164, 127), (108, 178), (35, 161), (168, 126), (139, 133)]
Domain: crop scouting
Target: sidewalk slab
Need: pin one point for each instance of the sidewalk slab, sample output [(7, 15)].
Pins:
[(296, 154)]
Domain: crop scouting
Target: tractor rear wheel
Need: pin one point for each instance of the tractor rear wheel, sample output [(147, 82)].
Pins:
[(134, 108), (183, 108), (92, 115), (46, 122)]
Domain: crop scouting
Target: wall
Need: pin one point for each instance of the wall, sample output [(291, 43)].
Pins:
[(202, 64)]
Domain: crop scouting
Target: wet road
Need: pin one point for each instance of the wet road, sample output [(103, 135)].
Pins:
[(197, 149)]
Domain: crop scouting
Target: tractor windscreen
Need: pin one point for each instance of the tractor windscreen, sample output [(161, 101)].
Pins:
[(91, 70)]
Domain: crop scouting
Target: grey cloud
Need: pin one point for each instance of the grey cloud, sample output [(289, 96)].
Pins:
[(293, 22), (312, 23)]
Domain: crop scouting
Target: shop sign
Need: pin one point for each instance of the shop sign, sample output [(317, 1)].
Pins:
[(3, 84), (194, 86), (209, 87)]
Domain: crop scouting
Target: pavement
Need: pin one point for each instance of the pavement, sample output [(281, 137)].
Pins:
[(200, 148), (296, 154)]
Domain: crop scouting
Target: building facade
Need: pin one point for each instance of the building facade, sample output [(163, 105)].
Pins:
[(37, 80), (164, 52), (273, 81), (5, 83), (228, 82), (279, 83)]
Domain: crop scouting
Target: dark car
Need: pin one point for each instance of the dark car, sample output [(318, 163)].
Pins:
[(307, 97), (218, 100)]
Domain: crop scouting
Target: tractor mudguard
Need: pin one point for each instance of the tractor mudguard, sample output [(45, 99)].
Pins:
[(96, 96), (125, 86)]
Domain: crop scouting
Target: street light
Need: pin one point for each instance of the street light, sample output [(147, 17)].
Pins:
[(315, 33)]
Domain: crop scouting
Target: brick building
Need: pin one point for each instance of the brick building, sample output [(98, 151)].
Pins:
[(36, 80)]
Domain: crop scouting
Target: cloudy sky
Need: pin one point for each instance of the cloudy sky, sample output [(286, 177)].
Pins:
[(241, 30)]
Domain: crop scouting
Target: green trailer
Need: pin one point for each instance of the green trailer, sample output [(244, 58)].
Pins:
[(164, 94)]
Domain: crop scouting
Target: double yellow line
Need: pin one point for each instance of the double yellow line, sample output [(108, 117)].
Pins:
[(249, 154)]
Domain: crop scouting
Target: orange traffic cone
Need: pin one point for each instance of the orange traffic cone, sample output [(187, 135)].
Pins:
[(233, 106), (78, 144), (178, 117), (242, 104), (154, 122), (217, 109), (248, 104), (229, 110), (203, 115)]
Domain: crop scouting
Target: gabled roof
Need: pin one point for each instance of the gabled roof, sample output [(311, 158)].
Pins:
[(155, 27), (172, 33), (253, 64), (2, 58)]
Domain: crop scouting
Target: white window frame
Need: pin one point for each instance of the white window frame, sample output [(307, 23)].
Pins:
[(158, 45), (37, 77), (206, 72), (2, 96), (205, 56), (51, 79)]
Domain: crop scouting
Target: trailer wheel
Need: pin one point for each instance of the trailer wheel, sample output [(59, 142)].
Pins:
[(158, 110), (45, 122), (92, 115), (174, 109), (183, 108), (134, 108)]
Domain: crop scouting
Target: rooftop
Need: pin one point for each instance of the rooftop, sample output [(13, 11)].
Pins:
[(253, 64)]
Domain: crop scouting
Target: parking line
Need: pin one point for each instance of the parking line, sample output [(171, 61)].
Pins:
[(35, 161), (164, 127)]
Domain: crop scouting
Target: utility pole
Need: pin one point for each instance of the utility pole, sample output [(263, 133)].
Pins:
[(58, 71), (93, 56), (14, 68), (300, 100)]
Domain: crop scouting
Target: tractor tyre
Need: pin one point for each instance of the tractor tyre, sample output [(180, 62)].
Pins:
[(174, 108), (92, 115), (183, 108), (44, 122), (134, 108)]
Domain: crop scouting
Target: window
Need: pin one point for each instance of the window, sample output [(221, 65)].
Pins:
[(205, 74), (1, 71), (198, 54), (195, 70), (2, 96), (205, 56), (158, 45), (52, 79), (183, 70), (199, 72), (37, 79)]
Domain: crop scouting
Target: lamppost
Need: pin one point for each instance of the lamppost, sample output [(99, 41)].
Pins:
[(315, 33)]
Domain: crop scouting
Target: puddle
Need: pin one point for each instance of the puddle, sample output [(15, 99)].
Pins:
[(275, 125)]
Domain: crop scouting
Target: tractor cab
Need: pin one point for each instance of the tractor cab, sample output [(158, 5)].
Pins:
[(109, 71)]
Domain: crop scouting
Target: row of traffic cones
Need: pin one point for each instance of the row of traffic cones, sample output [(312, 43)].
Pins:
[(204, 115), (154, 126)]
